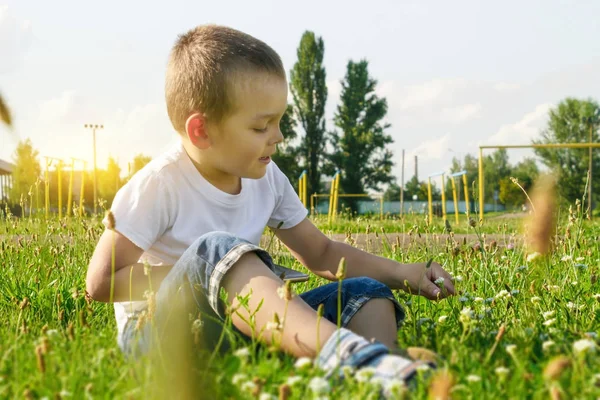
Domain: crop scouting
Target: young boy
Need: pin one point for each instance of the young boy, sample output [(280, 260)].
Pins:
[(196, 215)]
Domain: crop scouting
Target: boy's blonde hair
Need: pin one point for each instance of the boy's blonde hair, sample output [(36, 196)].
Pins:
[(204, 66)]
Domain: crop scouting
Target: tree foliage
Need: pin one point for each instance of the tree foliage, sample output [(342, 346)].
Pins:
[(27, 170), (309, 90), (138, 162), (571, 122), (360, 144), (287, 154), (109, 181)]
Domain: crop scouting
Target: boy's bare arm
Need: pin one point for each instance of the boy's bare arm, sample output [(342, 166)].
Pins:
[(322, 256), (130, 282)]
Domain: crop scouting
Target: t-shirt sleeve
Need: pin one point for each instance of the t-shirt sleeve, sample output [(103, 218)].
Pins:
[(141, 209), (288, 210)]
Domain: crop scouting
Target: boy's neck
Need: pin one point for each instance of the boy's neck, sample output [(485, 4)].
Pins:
[(219, 179)]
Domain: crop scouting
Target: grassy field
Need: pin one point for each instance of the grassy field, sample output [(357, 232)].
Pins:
[(519, 327)]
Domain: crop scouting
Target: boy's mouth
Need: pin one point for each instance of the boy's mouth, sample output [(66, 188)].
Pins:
[(265, 160)]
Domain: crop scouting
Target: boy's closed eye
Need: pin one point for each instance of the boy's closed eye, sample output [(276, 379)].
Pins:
[(260, 130)]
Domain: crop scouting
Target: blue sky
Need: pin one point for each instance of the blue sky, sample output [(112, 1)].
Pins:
[(455, 74)]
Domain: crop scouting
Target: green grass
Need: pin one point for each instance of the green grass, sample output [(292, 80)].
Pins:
[(45, 263)]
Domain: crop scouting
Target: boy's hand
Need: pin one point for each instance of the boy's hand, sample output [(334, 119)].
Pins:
[(420, 279)]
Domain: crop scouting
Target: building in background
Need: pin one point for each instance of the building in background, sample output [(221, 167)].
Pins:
[(6, 170)]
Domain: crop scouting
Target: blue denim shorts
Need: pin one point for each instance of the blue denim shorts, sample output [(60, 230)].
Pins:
[(195, 280)]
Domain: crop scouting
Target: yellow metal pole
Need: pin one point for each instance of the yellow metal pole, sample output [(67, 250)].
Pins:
[(70, 196), (443, 198), (429, 200), (466, 189), (330, 212), (81, 190), (335, 194), (312, 204), (481, 180), (381, 207), (455, 199), (47, 188), (59, 175), (305, 190)]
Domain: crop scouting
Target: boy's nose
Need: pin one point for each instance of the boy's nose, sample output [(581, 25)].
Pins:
[(278, 137)]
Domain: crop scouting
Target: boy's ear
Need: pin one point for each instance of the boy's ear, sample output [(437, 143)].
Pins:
[(195, 129)]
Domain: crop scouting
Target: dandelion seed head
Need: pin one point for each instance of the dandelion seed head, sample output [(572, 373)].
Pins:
[(511, 349), (502, 371), (473, 378), (549, 322), (439, 281)]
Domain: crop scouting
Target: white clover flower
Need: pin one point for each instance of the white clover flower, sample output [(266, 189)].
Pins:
[(566, 258), (65, 393), (547, 345), (574, 283), (466, 315), (478, 299), (364, 374), (271, 326), (554, 288), (570, 305), (319, 385), (442, 319), (439, 281), (502, 293), (511, 349), (549, 322), (377, 381), (423, 367), (303, 363), (458, 278), (503, 257), (583, 346), (238, 379), (473, 378), (580, 259), (242, 353), (533, 256), (267, 396), (548, 314), (502, 371), (248, 386), (535, 299), (395, 386), (292, 380), (281, 292)]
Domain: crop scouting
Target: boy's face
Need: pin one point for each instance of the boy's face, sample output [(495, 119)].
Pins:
[(243, 142)]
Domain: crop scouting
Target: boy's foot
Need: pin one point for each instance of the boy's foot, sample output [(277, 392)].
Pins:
[(345, 348)]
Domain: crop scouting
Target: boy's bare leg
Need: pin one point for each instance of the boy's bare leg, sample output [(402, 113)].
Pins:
[(376, 320), (250, 274)]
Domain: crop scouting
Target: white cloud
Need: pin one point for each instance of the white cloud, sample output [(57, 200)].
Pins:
[(59, 108), (408, 97), (506, 87), (15, 37), (524, 130), (463, 113), (434, 149)]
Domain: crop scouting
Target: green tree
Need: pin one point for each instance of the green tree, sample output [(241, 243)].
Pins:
[(26, 172), (571, 122), (309, 90), (361, 152), (392, 193), (109, 181), (525, 172), (138, 162), (287, 154)]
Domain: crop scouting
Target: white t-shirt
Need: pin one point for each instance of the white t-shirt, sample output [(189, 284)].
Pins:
[(168, 204)]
